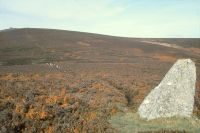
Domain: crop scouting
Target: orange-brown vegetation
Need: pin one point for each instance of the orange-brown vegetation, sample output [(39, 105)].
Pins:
[(93, 78), (81, 105), (163, 57), (58, 102), (195, 50), (136, 52)]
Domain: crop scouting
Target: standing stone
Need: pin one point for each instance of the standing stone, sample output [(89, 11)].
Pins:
[(174, 96)]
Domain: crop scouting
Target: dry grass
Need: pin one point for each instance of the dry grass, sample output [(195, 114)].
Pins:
[(131, 122)]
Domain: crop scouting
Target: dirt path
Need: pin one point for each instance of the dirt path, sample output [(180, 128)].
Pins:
[(175, 46), (164, 44)]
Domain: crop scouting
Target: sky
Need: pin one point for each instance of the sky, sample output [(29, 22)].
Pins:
[(127, 18)]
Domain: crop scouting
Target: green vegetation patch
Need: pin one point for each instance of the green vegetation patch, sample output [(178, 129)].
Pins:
[(131, 122)]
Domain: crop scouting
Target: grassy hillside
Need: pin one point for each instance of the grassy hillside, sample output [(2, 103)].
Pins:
[(66, 81)]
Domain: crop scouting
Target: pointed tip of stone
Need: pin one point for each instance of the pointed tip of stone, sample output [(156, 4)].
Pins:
[(188, 60), (185, 60)]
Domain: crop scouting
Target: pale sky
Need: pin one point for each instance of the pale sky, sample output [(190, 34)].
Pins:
[(128, 18)]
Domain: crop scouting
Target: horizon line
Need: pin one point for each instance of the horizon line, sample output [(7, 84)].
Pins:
[(139, 37)]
